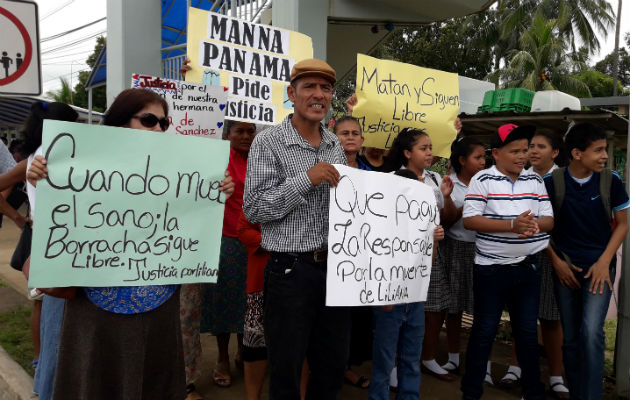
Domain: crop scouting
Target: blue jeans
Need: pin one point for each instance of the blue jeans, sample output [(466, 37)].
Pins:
[(50, 330), (401, 331), (583, 314), (494, 286)]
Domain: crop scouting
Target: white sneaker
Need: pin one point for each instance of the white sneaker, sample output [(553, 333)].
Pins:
[(34, 294)]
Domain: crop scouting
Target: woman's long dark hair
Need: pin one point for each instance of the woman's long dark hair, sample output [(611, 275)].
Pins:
[(35, 122), (128, 103), (556, 143), (462, 147), (405, 140)]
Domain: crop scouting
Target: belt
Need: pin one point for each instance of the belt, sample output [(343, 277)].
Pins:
[(316, 256)]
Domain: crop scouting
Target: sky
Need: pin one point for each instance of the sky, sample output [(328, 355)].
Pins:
[(65, 56)]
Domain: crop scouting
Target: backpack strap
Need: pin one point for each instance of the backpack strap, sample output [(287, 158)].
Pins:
[(605, 183), (430, 173), (559, 189)]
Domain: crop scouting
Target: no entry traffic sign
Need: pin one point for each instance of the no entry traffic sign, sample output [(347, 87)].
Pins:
[(20, 67)]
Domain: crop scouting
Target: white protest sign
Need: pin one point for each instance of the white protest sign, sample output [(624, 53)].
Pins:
[(380, 239), (194, 109), (20, 68), (253, 60)]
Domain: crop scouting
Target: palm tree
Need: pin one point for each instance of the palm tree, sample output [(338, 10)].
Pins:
[(542, 63), (577, 20), (489, 33), (63, 94)]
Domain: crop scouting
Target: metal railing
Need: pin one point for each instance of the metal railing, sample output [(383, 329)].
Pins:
[(172, 65), (250, 10)]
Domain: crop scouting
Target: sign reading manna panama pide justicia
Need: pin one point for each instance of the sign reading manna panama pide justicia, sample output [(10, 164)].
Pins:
[(254, 61), (124, 207), (380, 239)]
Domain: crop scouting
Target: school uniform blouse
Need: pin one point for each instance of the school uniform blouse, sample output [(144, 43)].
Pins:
[(457, 231), (434, 181), (554, 167)]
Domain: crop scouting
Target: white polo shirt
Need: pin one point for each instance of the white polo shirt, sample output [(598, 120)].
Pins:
[(493, 195)]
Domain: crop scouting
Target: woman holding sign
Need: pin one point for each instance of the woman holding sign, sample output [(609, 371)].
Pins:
[(223, 308), (122, 342), (348, 130)]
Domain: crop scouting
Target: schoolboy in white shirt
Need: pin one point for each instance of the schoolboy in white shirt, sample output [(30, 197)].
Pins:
[(510, 210)]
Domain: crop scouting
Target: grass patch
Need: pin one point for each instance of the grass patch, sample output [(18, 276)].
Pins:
[(3, 283), (610, 329), (15, 336)]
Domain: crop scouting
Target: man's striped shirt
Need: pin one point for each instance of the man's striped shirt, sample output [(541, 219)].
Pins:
[(493, 195)]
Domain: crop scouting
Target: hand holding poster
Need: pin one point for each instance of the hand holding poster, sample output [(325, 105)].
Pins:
[(194, 109), (253, 60), (393, 96), (380, 239), (123, 207)]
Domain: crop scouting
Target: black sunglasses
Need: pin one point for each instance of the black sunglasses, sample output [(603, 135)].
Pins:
[(149, 120)]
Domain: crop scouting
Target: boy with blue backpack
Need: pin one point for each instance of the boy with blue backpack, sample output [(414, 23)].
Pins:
[(585, 196)]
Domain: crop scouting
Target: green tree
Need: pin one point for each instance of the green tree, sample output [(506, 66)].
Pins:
[(577, 21), (99, 94), (606, 64), (503, 29), (446, 46), (542, 62), (63, 94), (599, 84)]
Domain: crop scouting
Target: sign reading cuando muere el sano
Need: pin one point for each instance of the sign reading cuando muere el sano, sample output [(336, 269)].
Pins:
[(380, 240), (124, 207)]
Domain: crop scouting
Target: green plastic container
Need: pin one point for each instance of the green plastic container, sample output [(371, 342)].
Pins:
[(520, 96), (488, 98), (518, 99)]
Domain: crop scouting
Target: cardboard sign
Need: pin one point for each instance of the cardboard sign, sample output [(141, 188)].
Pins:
[(380, 239), (254, 61), (194, 109), (393, 96), (123, 207), (20, 67)]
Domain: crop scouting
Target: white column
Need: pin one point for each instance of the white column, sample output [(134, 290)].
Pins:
[(309, 17), (622, 344), (133, 42)]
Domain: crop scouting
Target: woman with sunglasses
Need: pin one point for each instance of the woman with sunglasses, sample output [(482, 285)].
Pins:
[(122, 342)]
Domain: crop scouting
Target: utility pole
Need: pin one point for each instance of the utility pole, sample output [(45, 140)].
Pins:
[(616, 56)]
